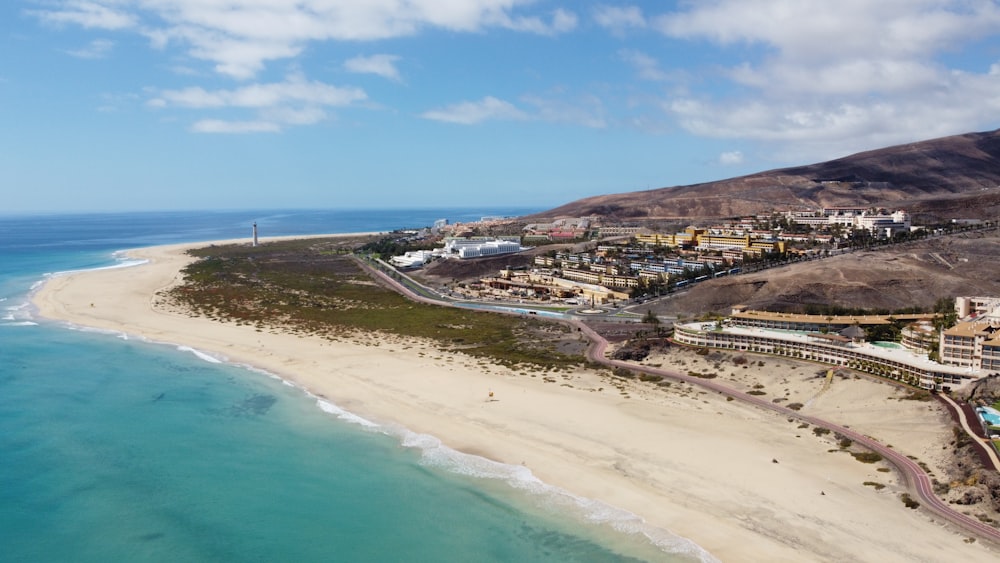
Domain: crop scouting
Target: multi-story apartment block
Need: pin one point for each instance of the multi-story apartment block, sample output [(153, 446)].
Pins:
[(974, 343), (966, 306)]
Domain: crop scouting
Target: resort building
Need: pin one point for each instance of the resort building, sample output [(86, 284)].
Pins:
[(746, 242), (618, 231), (608, 278), (741, 317), (876, 222), (412, 259), (974, 343), (919, 336), (476, 247), (538, 284), (967, 306), (846, 349)]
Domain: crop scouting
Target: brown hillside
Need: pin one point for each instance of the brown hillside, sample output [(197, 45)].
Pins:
[(907, 275), (953, 176)]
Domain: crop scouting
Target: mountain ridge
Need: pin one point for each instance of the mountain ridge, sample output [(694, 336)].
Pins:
[(959, 174)]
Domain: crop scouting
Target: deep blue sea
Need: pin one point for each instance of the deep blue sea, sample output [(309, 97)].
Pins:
[(115, 449)]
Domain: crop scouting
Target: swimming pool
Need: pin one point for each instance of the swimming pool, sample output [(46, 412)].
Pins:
[(990, 415), (889, 345)]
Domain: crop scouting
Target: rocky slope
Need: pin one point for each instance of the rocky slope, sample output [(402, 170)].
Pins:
[(940, 179)]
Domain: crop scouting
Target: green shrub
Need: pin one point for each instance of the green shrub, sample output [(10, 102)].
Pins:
[(867, 457), (623, 373)]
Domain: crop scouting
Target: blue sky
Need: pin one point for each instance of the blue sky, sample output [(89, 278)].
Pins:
[(223, 104)]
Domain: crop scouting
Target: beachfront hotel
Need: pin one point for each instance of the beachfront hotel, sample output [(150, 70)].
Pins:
[(840, 341), (974, 342)]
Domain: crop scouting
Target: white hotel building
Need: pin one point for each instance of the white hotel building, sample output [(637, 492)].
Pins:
[(480, 246), (877, 223), (896, 363)]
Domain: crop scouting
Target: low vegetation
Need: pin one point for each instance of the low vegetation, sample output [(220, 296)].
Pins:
[(908, 501), (867, 457), (316, 286)]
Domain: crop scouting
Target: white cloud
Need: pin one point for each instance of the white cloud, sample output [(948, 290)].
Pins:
[(820, 31), (294, 102), (822, 79), (588, 112), (619, 19), (90, 14), (381, 65), (241, 36), (563, 21), (221, 126), (470, 113), (731, 158), (295, 116), (820, 129), (646, 66), (295, 89), (96, 49)]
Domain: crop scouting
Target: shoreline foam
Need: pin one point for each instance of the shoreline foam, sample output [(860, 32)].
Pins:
[(675, 462)]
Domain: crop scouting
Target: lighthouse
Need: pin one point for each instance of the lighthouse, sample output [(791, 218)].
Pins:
[(255, 234)]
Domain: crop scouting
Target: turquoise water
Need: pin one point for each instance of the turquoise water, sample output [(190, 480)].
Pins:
[(991, 418), (113, 449), (889, 345)]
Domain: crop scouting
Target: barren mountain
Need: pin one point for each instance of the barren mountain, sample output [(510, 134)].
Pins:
[(940, 179)]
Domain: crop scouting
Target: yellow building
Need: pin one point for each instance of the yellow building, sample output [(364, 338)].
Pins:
[(702, 239)]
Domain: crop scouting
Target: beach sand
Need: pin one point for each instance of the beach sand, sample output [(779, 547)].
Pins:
[(745, 484)]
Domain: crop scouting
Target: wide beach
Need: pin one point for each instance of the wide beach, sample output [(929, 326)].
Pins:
[(745, 484)]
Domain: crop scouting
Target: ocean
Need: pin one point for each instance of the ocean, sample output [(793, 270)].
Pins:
[(116, 449)]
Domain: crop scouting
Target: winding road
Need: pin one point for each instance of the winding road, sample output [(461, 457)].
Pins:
[(914, 476)]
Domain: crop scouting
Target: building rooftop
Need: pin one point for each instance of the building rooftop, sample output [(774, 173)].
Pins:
[(862, 320)]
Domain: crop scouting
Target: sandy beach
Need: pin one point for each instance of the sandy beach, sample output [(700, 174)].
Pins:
[(745, 484)]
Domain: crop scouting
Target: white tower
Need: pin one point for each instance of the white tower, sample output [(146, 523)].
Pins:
[(255, 234)]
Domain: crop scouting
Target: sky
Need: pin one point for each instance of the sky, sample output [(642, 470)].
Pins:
[(120, 105)]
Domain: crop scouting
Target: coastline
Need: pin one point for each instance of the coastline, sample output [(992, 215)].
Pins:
[(686, 462)]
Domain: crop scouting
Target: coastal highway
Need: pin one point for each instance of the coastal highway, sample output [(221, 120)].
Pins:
[(914, 476)]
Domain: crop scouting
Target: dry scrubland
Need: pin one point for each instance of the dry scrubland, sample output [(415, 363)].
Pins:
[(895, 277)]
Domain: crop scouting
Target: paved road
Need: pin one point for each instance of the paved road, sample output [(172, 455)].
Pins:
[(913, 474), (990, 453)]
